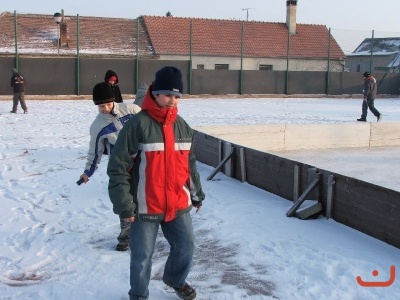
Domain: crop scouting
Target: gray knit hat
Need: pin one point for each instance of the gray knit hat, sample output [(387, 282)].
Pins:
[(141, 93)]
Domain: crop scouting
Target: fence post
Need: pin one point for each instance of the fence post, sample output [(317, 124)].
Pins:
[(190, 57), (328, 69), (16, 62), (287, 61), (241, 61), (372, 51), (78, 66), (137, 57)]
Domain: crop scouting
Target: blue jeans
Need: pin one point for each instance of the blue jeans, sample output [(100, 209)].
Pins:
[(180, 236)]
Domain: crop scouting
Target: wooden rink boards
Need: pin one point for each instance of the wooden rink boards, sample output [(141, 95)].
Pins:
[(286, 137), (270, 157)]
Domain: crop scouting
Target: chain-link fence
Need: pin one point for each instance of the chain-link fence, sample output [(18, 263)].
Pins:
[(210, 44), (203, 45)]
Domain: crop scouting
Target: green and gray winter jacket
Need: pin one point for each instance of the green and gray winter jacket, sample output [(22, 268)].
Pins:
[(152, 168)]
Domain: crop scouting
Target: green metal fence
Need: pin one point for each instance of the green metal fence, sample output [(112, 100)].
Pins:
[(78, 37)]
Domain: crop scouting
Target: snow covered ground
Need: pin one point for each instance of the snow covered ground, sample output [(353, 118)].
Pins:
[(57, 239)]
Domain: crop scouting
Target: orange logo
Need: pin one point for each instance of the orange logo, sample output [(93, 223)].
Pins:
[(378, 283)]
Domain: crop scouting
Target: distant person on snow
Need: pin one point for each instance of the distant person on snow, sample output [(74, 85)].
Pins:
[(112, 79), (103, 135), (18, 84), (370, 90)]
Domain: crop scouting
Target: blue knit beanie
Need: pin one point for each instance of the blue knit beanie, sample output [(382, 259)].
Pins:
[(168, 81)]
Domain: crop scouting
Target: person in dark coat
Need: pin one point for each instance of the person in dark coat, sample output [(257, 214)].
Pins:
[(370, 91), (112, 79), (18, 83)]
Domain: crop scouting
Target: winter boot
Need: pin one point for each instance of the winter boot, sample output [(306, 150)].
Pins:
[(379, 118), (13, 111), (122, 247), (362, 119), (186, 292)]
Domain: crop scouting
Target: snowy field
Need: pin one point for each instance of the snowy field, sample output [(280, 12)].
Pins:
[(57, 239)]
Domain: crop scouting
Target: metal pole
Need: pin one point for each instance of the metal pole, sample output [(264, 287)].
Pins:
[(78, 70), (58, 41), (241, 61), (287, 62), (328, 69), (137, 55), (372, 50), (190, 57), (16, 40)]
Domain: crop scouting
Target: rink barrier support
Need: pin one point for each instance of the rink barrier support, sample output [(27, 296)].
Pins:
[(224, 161), (363, 206), (221, 164), (329, 197), (312, 207)]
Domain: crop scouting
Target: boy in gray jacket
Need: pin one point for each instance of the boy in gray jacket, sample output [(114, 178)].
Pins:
[(103, 135)]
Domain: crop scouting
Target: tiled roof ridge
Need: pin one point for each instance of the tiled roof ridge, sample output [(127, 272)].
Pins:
[(40, 16), (33, 15), (3, 14), (208, 19), (228, 20)]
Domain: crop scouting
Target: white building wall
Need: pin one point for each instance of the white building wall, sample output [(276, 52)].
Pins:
[(278, 64)]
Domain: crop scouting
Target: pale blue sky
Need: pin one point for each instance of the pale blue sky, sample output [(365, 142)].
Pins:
[(339, 14)]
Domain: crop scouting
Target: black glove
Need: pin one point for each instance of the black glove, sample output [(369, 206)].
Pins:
[(196, 204)]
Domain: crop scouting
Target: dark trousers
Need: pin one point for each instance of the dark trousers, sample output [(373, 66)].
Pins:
[(19, 97), (369, 104)]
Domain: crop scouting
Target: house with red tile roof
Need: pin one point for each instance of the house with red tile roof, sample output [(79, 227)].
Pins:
[(38, 35), (206, 43), (255, 45)]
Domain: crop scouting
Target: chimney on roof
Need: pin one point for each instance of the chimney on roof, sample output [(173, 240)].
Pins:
[(291, 9), (63, 31)]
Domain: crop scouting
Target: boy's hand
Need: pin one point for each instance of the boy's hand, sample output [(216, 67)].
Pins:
[(197, 205), (82, 179), (130, 219)]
